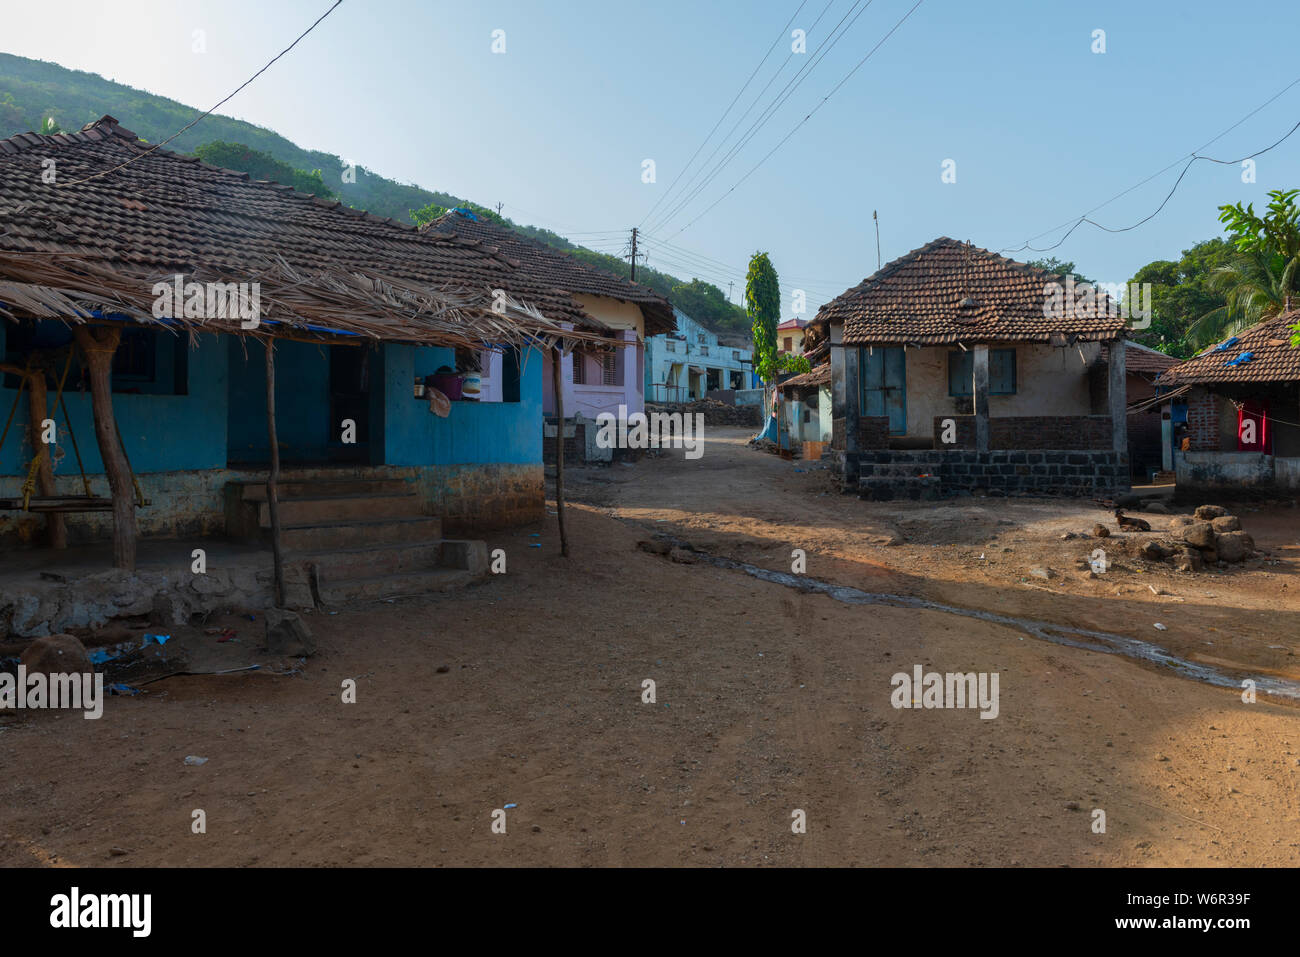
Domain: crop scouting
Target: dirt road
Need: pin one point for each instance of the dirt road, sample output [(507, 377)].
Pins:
[(768, 701)]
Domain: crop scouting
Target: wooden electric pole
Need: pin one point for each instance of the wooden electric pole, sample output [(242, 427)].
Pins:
[(634, 229), (558, 385)]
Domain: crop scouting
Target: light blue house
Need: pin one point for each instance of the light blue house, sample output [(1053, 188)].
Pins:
[(694, 362)]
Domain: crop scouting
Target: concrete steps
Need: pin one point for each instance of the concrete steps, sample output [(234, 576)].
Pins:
[(364, 539)]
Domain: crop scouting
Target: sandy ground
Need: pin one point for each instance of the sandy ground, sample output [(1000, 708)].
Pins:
[(768, 700)]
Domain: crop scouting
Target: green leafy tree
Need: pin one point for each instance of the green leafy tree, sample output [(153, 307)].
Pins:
[(1059, 267), (427, 214), (261, 165), (789, 362), (1182, 292), (1260, 281), (763, 304)]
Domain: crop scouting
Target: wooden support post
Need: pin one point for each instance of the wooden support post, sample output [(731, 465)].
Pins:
[(981, 398), (557, 381), (273, 479), (98, 344), (1117, 396), (37, 402)]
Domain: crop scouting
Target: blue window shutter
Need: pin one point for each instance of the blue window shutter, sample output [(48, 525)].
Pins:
[(961, 373), (1002, 371)]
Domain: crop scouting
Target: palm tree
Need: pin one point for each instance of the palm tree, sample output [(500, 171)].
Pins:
[(49, 126), (1260, 280)]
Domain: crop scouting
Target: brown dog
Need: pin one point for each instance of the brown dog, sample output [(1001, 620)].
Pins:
[(1131, 524)]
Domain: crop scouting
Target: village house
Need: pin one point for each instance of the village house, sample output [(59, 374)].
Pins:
[(113, 381), (790, 335), (603, 378), (1148, 441), (951, 371), (693, 361), (1234, 411)]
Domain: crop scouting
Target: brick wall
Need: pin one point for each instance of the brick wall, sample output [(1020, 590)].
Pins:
[(873, 432), (1051, 432), (575, 446), (1000, 472), (1030, 432), (1203, 420)]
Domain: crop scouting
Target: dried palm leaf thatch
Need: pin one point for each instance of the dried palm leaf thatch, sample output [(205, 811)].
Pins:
[(293, 303)]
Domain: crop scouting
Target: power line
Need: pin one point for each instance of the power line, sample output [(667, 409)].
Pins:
[(738, 95), (157, 146), (806, 118), (1191, 158), (769, 111), (722, 142)]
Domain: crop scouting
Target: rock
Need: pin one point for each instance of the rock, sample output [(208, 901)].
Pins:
[(1157, 508), (683, 557), (1066, 536), (1226, 523), (1207, 512), (56, 654), (1100, 531), (1040, 571), (654, 547), (1199, 535), (1153, 551), (193, 760), (1209, 555), (287, 634), (1234, 546), (1180, 521), (887, 539), (1188, 559), (116, 851)]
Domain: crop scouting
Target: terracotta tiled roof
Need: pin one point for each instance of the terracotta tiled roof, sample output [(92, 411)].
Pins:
[(794, 324), (557, 268), (166, 213), (1273, 358), (821, 375), (949, 291), (1143, 359)]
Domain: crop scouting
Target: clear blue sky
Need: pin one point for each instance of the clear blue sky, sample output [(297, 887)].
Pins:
[(1041, 128)]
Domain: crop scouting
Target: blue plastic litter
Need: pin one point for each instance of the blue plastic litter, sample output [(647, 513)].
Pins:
[(155, 639), (124, 689), (99, 656), (509, 806), (1240, 360), (1225, 344), (534, 544)]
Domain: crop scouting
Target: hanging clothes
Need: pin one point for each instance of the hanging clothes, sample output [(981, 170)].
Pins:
[(1252, 427)]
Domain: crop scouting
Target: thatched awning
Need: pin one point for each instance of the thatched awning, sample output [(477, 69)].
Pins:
[(92, 240)]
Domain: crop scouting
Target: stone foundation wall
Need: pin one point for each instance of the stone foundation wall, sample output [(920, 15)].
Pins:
[(474, 498), (873, 432), (1026, 432), (1081, 473)]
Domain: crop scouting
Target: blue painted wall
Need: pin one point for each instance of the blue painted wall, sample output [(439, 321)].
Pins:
[(227, 397), (475, 432), (161, 432), (302, 401)]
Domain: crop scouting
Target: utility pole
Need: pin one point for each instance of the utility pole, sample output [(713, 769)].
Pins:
[(634, 253), (499, 205), (877, 220), (730, 286)]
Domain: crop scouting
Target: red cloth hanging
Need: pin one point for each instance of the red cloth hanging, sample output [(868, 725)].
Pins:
[(1252, 424)]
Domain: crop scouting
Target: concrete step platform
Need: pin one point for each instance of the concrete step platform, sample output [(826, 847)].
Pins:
[(341, 565), (433, 581), (339, 508), (318, 488), (328, 536)]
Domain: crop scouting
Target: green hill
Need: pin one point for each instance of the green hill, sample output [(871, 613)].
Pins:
[(33, 91)]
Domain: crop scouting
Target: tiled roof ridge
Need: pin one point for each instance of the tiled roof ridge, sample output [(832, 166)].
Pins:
[(447, 219), (108, 126), (1209, 366)]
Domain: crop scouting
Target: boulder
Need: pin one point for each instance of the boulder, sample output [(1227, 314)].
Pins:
[(1157, 508), (654, 547), (56, 654), (1226, 523), (1180, 521), (1199, 535), (1153, 551), (1207, 512), (1188, 559), (1234, 546), (683, 557), (1100, 531), (288, 634)]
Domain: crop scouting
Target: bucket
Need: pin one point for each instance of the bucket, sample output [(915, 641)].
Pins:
[(471, 386)]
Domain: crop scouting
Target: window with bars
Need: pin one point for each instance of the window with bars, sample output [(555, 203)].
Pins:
[(671, 346), (579, 368), (609, 368)]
